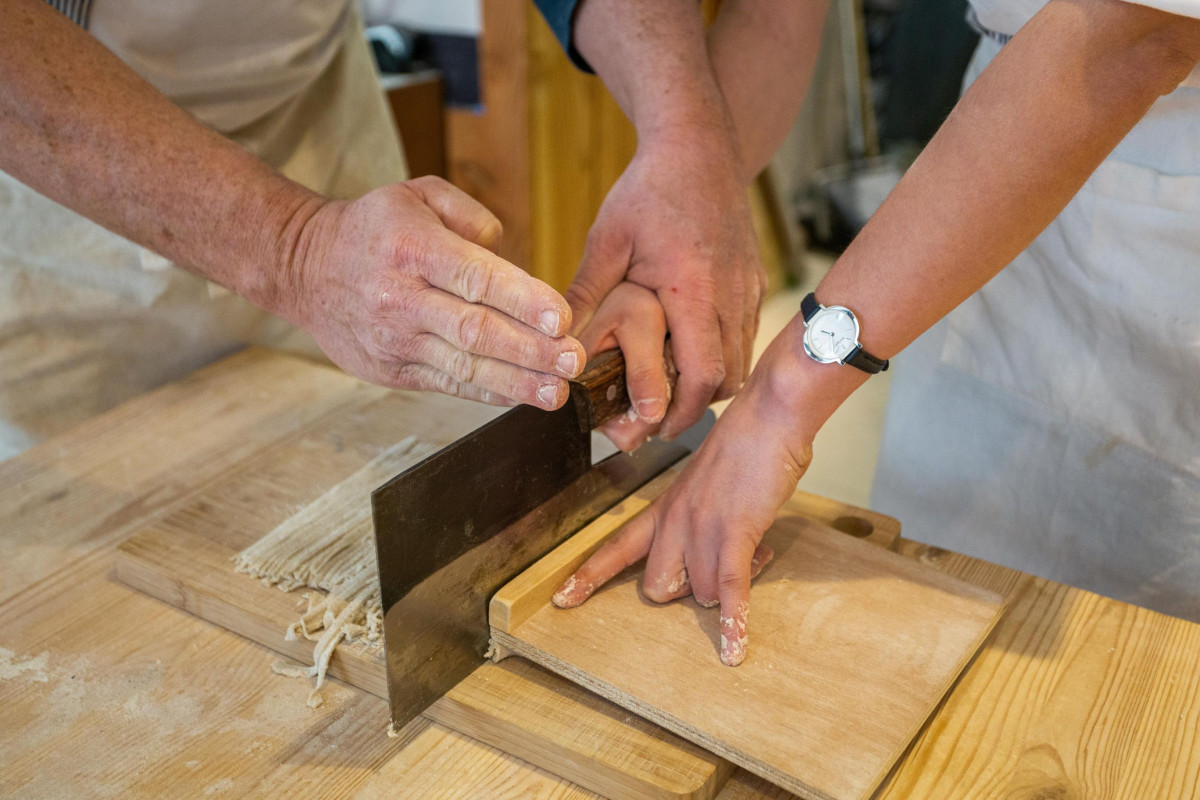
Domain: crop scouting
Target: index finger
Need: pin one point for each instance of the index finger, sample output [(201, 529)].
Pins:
[(733, 587), (479, 276), (628, 546)]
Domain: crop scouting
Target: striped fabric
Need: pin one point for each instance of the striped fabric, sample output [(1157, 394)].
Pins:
[(78, 11), (973, 21)]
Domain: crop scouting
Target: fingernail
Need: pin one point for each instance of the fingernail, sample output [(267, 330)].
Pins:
[(733, 637), (563, 598), (650, 410), (548, 322), (547, 394), (679, 581), (733, 652), (568, 363)]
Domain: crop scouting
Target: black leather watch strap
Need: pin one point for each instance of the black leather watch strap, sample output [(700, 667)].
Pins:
[(809, 306), (865, 361)]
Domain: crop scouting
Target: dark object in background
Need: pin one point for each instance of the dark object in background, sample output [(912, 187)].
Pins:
[(392, 47), (457, 58), (398, 50), (843, 197), (918, 51), (917, 64), (415, 100)]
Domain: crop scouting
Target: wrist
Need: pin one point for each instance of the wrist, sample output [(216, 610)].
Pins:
[(278, 272), (708, 138), (790, 386)]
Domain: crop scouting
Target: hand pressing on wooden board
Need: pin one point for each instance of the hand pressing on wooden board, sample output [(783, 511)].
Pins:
[(954, 221), (703, 535)]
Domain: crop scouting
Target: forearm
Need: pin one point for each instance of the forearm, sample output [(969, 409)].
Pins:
[(763, 55), (651, 55), (1016, 149), (81, 128)]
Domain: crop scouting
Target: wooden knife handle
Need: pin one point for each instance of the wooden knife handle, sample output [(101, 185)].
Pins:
[(599, 393)]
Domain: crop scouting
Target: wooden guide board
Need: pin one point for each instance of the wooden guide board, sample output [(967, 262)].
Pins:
[(186, 560), (852, 648)]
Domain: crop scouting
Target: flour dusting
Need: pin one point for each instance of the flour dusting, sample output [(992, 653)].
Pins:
[(11, 665)]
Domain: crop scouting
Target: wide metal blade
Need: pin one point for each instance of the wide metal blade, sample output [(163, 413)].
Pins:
[(453, 529)]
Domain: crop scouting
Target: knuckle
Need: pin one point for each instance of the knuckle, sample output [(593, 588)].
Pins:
[(470, 330), (385, 293), (445, 384), (424, 181), (462, 366), (581, 294), (406, 376), (410, 251), (490, 232), (710, 375), (730, 578), (477, 279)]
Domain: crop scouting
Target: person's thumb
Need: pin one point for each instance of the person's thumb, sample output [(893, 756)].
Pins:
[(605, 262), (458, 211)]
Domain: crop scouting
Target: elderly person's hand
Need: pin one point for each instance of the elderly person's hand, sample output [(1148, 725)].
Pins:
[(677, 223), (401, 288)]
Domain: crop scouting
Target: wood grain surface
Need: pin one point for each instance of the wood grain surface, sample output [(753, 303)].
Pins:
[(186, 559), (853, 649), (106, 692)]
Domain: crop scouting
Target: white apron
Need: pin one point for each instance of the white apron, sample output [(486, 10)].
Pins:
[(1052, 422), (89, 319)]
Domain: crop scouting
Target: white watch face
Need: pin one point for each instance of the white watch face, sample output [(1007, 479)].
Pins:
[(832, 334)]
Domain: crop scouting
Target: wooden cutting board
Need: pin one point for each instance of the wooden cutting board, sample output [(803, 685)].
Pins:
[(186, 560), (852, 648)]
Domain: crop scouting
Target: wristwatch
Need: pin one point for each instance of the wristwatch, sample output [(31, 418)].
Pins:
[(831, 336)]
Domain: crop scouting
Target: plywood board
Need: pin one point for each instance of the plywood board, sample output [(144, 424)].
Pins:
[(186, 559), (852, 648)]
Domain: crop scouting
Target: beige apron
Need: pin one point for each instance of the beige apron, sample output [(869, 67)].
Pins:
[(89, 319), (1052, 422)]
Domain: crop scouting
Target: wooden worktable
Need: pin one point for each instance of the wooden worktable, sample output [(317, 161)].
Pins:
[(104, 691)]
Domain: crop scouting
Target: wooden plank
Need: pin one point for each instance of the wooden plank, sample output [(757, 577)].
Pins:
[(530, 591), (818, 706), (110, 693), (186, 559), (533, 714), (579, 144), (538, 717), (1076, 696), (86, 491)]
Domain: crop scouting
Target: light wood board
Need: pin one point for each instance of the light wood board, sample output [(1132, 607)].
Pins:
[(186, 559), (851, 650)]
